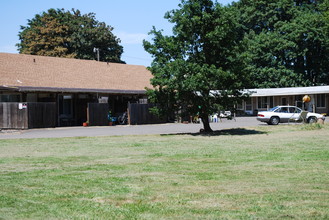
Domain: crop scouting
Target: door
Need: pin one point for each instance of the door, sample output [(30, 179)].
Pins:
[(295, 113), (65, 110), (283, 101), (284, 114)]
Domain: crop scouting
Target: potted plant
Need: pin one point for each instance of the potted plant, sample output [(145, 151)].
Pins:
[(110, 118)]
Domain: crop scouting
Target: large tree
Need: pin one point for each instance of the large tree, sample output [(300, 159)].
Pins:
[(63, 33), (286, 42), (197, 69)]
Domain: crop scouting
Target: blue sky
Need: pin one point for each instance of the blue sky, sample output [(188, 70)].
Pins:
[(131, 20)]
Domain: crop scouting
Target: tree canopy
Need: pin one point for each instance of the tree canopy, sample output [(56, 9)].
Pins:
[(197, 69), (63, 33), (217, 51), (286, 42)]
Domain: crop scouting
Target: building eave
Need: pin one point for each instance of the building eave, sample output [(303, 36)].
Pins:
[(71, 90), (289, 91)]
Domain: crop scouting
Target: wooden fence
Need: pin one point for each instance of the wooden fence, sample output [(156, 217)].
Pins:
[(140, 114), (13, 115), (27, 115), (42, 114), (97, 114)]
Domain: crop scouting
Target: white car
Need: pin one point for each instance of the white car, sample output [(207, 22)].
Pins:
[(225, 114), (281, 114)]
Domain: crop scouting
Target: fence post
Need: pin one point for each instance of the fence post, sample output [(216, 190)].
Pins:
[(128, 112)]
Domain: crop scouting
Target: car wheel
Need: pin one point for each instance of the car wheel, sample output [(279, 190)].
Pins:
[(274, 120), (312, 120)]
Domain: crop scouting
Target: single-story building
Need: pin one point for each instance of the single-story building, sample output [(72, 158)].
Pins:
[(264, 99), (69, 85), (39, 91)]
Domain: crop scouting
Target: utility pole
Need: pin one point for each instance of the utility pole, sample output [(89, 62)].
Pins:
[(96, 50)]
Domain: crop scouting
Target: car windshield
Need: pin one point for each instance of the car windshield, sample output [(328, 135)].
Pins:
[(274, 108)]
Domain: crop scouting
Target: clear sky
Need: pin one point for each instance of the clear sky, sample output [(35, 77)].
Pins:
[(131, 19)]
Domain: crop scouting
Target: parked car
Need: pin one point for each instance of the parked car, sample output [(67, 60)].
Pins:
[(225, 114), (282, 114)]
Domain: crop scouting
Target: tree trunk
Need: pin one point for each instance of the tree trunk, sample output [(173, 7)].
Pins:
[(206, 125)]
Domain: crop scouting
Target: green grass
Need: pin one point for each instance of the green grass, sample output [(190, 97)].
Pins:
[(269, 172)]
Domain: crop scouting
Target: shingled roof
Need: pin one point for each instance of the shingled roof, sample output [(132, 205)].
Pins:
[(40, 73)]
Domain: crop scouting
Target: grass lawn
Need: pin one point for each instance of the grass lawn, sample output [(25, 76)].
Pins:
[(268, 172)]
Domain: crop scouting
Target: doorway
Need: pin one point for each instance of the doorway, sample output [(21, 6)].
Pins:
[(284, 101), (65, 110)]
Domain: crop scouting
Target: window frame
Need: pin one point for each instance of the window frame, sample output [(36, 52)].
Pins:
[(321, 100), (265, 101)]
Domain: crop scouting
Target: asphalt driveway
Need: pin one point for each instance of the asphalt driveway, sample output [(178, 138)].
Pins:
[(120, 130)]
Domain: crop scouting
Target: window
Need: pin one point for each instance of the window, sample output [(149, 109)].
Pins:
[(142, 101), (240, 106), (299, 101), (10, 98), (265, 102), (321, 101), (294, 110), (249, 105), (283, 110)]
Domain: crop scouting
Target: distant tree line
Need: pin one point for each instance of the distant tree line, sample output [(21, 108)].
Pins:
[(61, 33)]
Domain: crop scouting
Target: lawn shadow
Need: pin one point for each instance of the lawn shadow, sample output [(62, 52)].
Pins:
[(232, 131)]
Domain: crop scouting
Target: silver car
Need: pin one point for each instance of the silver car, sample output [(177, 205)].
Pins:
[(282, 114)]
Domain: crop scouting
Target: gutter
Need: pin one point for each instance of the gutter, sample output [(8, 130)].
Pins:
[(73, 90)]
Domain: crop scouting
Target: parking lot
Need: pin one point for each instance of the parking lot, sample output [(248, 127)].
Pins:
[(121, 130)]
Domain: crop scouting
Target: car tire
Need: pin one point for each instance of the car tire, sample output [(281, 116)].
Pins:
[(274, 120), (312, 120)]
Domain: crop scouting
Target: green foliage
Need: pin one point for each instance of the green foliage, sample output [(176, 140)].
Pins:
[(199, 66), (249, 44), (286, 42), (63, 33)]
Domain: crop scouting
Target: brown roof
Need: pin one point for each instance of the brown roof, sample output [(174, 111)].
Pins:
[(41, 73)]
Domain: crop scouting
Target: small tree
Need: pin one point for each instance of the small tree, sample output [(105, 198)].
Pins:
[(198, 68), (63, 33)]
